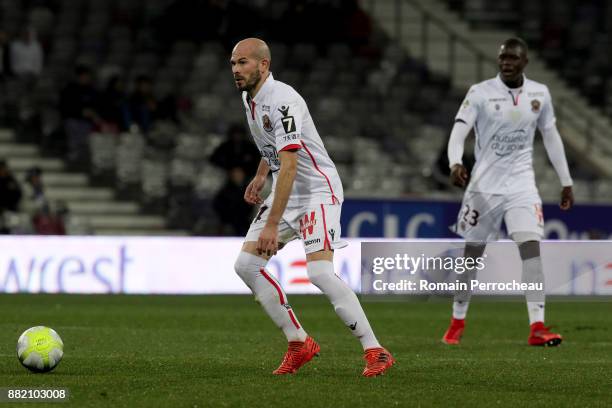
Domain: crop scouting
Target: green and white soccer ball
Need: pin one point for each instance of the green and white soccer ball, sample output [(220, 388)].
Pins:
[(40, 349)]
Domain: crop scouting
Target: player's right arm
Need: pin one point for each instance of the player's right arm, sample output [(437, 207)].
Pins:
[(268, 238), (251, 195), (459, 174), (468, 112)]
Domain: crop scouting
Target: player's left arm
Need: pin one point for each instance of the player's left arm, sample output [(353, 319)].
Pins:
[(268, 239), (556, 153)]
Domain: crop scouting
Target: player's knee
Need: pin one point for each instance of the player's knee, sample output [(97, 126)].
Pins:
[(320, 271), (317, 272), (321, 274), (245, 265), (240, 268)]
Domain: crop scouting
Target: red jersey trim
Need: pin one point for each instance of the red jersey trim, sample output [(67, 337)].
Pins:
[(314, 162), (291, 147)]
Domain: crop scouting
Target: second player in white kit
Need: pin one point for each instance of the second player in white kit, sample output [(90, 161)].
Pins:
[(305, 204), (505, 112), (502, 180)]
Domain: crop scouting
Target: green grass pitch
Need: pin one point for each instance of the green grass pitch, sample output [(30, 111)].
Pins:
[(218, 351)]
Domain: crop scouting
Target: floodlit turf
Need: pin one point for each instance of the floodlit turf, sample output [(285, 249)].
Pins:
[(162, 351)]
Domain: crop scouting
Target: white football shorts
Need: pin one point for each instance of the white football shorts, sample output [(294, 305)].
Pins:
[(481, 215), (317, 226)]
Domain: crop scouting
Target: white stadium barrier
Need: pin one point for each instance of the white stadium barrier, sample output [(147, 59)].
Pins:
[(157, 265)]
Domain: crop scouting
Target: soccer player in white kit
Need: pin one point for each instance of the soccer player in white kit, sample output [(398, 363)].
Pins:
[(505, 112), (305, 203)]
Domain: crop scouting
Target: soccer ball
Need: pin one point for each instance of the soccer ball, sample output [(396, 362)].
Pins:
[(40, 349)]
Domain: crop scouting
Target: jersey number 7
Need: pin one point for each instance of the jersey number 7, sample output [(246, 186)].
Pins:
[(288, 124)]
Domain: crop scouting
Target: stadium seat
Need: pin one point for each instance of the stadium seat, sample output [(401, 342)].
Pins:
[(103, 153)]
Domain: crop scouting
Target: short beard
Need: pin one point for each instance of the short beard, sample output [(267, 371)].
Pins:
[(252, 83)]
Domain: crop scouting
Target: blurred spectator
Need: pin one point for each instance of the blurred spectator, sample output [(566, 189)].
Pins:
[(114, 106), (5, 55), (358, 24), (226, 21), (27, 55), (359, 30), (34, 189), (48, 223), (44, 219), (10, 196), (237, 151), (79, 109), (10, 191), (234, 213), (239, 158), (70, 224), (143, 105), (79, 99)]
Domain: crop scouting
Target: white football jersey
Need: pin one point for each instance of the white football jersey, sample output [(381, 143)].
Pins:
[(279, 120), (504, 122)]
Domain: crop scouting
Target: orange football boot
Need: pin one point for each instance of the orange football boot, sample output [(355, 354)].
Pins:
[(298, 353), (377, 361), (454, 332), (542, 336)]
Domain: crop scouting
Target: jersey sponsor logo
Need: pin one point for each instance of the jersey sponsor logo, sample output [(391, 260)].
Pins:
[(267, 123), (535, 106), (534, 94), (265, 108), (287, 121), (269, 153), (284, 110), (498, 99), (312, 241), (503, 145), (307, 225), (288, 138)]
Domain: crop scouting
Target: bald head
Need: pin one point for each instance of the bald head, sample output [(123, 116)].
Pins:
[(253, 48), (250, 64)]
